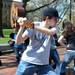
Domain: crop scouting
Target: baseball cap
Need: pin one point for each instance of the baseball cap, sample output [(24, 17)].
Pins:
[(51, 12)]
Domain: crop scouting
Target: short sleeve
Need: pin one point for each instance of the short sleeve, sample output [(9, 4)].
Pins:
[(28, 32)]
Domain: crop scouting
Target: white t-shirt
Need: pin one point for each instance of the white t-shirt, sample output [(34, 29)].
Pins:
[(38, 50)]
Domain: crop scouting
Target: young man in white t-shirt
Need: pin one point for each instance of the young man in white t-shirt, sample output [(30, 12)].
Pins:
[(35, 58)]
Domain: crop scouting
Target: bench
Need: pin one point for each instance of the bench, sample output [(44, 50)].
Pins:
[(5, 48)]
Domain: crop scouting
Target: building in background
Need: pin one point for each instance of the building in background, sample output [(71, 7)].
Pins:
[(9, 10)]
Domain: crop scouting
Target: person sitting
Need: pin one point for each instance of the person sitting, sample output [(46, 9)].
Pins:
[(35, 59)]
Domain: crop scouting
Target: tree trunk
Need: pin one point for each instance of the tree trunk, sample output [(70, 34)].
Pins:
[(1, 32), (24, 5)]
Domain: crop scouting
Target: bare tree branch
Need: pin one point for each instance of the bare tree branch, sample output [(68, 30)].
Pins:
[(41, 7)]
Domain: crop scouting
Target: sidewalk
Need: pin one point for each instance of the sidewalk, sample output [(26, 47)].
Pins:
[(8, 64)]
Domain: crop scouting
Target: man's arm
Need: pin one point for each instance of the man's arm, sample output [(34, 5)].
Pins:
[(21, 37), (45, 30)]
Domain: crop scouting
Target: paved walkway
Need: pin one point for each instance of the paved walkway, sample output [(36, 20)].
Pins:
[(9, 64)]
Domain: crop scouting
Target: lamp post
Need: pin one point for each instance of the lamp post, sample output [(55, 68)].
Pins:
[(70, 10)]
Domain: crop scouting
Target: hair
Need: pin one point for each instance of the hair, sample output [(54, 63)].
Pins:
[(12, 35), (68, 28), (49, 17)]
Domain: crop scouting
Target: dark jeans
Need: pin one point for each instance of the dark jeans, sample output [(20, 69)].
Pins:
[(19, 49), (55, 57)]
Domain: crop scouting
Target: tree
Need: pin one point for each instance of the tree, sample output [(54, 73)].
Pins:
[(1, 32), (34, 8), (25, 2)]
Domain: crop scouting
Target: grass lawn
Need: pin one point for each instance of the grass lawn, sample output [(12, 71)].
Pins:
[(6, 33), (4, 40)]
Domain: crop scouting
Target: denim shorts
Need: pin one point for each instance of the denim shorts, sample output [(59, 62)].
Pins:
[(26, 68)]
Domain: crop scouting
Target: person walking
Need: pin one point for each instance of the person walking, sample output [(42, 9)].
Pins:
[(35, 58)]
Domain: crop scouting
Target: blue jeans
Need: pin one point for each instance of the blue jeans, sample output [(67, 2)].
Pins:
[(68, 57), (26, 68), (55, 56)]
